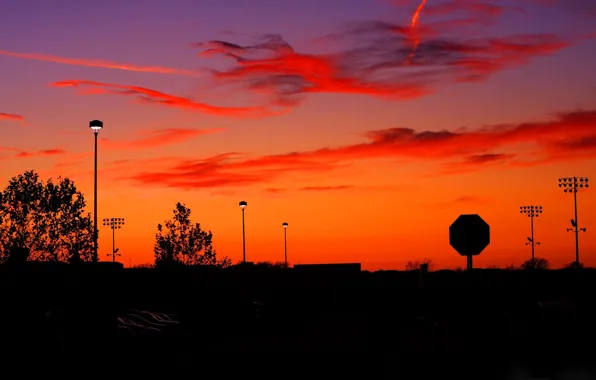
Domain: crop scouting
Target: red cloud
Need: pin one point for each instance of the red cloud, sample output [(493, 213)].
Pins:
[(158, 138), (45, 152), (225, 170), (567, 136), (370, 58), (155, 97), (274, 190), (100, 63), (464, 199), (286, 73), (326, 188), (10, 116), (475, 8), (383, 59), (374, 64)]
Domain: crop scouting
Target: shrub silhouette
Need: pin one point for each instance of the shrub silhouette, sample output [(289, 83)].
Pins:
[(537, 263), (415, 265)]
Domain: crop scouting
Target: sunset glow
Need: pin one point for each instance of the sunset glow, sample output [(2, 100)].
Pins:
[(367, 125)]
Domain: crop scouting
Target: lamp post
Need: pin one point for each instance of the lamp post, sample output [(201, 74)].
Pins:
[(114, 224), (572, 185), (76, 219), (95, 125), (285, 226), (532, 212), (243, 205)]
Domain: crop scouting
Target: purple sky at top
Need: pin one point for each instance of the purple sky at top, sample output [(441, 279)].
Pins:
[(157, 32)]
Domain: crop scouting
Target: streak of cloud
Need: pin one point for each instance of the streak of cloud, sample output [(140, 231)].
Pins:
[(566, 137), (413, 29), (11, 116), (39, 153), (374, 58), (378, 62), (158, 138), (149, 96), (459, 202), (326, 188), (101, 63)]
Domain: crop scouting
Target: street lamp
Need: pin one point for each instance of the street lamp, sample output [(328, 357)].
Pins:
[(114, 224), (95, 125), (285, 226), (532, 212), (243, 205), (76, 219), (572, 185)]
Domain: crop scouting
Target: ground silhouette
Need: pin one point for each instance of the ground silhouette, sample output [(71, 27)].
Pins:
[(172, 317)]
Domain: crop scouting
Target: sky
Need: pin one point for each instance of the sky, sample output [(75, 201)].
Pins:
[(368, 126)]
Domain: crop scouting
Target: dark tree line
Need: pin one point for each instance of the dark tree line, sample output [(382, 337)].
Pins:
[(45, 221)]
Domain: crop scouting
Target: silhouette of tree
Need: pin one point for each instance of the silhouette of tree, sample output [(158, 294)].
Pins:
[(144, 266), (178, 241), (511, 267), (538, 263), (44, 221), (574, 265), (269, 264), (415, 265)]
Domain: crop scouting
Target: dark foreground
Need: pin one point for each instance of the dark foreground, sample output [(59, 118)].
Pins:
[(257, 321)]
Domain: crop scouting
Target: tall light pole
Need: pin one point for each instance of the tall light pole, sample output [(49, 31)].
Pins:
[(532, 212), (95, 125), (285, 226), (114, 224), (243, 205), (572, 185), (76, 244)]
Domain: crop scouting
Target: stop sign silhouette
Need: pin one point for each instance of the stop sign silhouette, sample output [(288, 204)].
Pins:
[(469, 235)]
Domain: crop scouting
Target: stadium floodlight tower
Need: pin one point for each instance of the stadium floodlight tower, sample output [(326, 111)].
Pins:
[(532, 212), (114, 224), (572, 185)]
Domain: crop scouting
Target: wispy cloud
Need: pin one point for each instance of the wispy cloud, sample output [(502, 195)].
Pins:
[(329, 188), (275, 190), (101, 63), (384, 59), (463, 200), (326, 188), (567, 136), (392, 60), (157, 138), (149, 96), (11, 117), (22, 153)]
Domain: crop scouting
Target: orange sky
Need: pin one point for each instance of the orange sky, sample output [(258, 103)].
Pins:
[(367, 154)]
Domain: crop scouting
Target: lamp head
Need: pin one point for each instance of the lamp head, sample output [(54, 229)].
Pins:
[(243, 204), (284, 225), (96, 125)]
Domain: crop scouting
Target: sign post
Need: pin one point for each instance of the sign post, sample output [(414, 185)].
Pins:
[(469, 234)]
